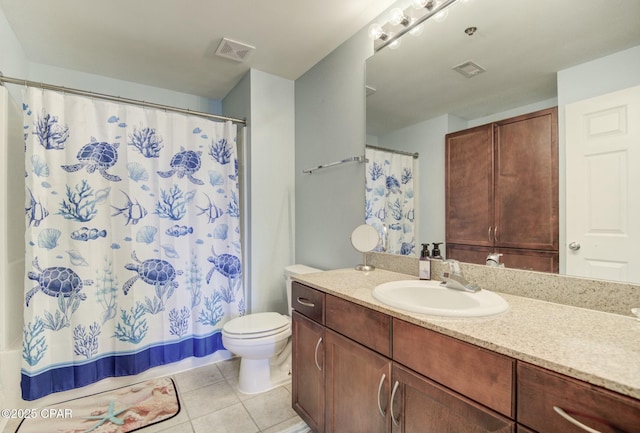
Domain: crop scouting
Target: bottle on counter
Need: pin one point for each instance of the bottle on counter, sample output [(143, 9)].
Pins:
[(424, 270), (436, 251)]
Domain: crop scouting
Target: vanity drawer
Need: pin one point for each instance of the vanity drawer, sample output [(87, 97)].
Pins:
[(308, 301), (364, 325), (540, 390), (477, 373)]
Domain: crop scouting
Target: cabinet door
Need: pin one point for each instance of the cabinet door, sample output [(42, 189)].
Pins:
[(422, 406), (357, 387), (526, 181), (551, 402), (308, 370), (469, 186)]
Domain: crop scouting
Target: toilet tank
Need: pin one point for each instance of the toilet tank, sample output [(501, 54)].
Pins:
[(291, 270)]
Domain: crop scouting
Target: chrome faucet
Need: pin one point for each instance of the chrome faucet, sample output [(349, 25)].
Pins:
[(455, 280), (493, 260)]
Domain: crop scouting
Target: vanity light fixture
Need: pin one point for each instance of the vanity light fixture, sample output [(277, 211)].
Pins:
[(408, 20)]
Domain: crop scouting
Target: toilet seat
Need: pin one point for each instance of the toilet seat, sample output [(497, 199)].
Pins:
[(257, 325)]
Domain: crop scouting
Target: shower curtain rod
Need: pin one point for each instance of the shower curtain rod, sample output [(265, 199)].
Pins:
[(10, 80), (400, 152)]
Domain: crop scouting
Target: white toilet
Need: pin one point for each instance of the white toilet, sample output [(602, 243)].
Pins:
[(263, 342)]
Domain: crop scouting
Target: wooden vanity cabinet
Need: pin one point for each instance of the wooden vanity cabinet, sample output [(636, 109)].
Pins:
[(540, 391), (359, 370), (502, 191), (422, 405), (308, 355)]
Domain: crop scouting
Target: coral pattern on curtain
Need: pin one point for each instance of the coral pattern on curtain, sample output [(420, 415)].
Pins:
[(389, 199), (133, 239)]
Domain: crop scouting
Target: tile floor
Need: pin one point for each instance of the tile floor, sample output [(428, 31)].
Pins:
[(211, 403)]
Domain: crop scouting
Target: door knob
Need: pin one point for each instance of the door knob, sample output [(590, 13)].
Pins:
[(574, 246)]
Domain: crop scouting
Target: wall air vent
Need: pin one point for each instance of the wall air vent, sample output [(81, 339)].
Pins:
[(234, 50), (469, 69)]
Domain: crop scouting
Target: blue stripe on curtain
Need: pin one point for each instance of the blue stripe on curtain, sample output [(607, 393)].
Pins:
[(76, 376)]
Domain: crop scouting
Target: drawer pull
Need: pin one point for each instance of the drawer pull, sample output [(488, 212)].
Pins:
[(305, 302), (384, 376), (396, 422), (574, 421), (316, 353)]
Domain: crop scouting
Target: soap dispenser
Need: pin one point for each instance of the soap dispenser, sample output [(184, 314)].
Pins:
[(436, 251), (424, 271)]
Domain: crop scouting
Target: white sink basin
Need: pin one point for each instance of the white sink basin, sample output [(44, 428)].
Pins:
[(429, 297)]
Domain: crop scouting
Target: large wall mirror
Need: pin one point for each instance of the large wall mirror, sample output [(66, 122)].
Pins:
[(535, 55)]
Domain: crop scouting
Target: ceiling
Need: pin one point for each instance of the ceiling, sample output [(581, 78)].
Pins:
[(171, 43), (522, 44)]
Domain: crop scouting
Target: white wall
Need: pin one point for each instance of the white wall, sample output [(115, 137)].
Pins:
[(330, 126), (267, 101), (13, 62), (127, 89), (11, 223)]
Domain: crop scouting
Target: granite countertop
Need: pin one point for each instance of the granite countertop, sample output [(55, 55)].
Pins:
[(596, 347)]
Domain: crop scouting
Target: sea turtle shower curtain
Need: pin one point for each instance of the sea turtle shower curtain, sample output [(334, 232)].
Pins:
[(133, 246), (390, 199)]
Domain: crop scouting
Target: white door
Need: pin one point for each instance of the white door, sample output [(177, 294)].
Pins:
[(603, 186)]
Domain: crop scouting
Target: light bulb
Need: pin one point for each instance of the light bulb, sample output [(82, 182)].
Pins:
[(417, 30), (395, 44), (441, 16), (398, 17), (419, 4), (375, 31)]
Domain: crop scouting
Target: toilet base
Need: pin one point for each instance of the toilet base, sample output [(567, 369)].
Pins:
[(258, 375)]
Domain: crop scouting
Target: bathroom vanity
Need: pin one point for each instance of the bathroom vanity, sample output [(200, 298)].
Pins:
[(362, 366)]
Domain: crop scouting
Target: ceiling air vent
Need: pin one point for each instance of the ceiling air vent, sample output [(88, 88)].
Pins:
[(234, 50), (469, 69)]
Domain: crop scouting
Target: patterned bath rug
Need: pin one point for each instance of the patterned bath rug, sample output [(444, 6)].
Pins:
[(122, 410)]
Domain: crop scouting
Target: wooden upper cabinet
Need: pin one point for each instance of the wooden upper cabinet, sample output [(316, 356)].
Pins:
[(502, 183), (526, 181), (469, 186)]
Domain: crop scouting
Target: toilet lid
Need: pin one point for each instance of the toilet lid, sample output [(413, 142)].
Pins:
[(257, 324)]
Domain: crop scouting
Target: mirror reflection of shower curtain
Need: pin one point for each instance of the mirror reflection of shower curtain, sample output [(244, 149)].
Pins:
[(390, 199)]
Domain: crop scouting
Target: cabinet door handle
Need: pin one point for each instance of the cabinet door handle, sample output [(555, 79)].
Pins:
[(396, 422), (382, 412), (305, 302), (316, 353), (574, 421), (495, 234), (489, 234)]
